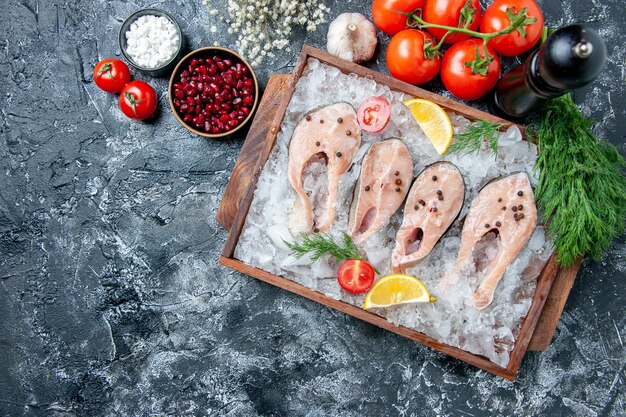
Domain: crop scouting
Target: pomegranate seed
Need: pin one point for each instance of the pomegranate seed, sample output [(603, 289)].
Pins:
[(248, 82), (248, 100), (233, 123), (237, 101), (187, 118), (212, 70), (224, 117), (220, 65), (245, 110), (184, 108), (217, 59), (190, 101)]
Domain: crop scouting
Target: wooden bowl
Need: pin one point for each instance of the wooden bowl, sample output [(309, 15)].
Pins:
[(203, 53)]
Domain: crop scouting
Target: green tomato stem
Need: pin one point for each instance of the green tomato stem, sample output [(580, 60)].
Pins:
[(518, 20)]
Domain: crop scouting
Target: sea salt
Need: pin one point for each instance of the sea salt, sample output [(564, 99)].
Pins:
[(452, 319), (152, 41)]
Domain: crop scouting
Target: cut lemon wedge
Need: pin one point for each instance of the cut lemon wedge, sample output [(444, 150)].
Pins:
[(434, 122), (397, 289)]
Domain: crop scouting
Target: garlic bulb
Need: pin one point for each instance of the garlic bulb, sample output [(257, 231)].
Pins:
[(352, 37)]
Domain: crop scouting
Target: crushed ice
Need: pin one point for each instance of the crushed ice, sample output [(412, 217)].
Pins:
[(452, 319)]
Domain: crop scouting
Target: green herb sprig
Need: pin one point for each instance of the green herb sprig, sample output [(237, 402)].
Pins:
[(470, 140), (320, 244), (582, 189)]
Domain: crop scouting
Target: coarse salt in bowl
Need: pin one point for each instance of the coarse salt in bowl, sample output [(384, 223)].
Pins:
[(151, 41)]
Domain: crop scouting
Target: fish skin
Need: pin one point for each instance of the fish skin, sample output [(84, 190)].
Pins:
[(432, 223), (378, 169), (513, 235), (333, 138)]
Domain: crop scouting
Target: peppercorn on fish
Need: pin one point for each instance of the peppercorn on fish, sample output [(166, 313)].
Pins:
[(321, 150), (506, 208), (434, 202), (386, 173)]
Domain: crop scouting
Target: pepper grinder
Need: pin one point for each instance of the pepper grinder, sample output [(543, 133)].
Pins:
[(570, 58)]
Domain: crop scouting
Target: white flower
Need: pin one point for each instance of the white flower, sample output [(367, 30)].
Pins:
[(268, 21)]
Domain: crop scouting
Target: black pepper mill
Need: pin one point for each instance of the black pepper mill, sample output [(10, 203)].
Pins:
[(570, 58)]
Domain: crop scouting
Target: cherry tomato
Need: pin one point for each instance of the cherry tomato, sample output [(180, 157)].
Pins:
[(461, 78), (373, 114), (448, 13), (386, 16), (515, 43), (356, 276), (138, 100), (406, 60), (111, 75)]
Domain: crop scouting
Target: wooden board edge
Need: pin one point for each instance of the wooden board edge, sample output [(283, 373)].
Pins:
[(553, 308), (354, 311), (542, 289), (243, 169)]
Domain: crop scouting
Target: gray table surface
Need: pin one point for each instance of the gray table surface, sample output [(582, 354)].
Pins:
[(112, 301)]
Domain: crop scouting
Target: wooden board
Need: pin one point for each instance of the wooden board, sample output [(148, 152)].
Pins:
[(244, 171), (239, 193)]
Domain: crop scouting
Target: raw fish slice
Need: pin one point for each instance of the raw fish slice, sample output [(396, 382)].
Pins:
[(507, 208), (434, 202), (386, 172), (321, 150)]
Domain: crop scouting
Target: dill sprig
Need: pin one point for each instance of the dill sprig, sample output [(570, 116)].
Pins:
[(582, 189), (320, 244), (471, 139)]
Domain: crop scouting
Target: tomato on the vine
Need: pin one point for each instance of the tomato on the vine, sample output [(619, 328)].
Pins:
[(388, 17), (356, 276), (111, 75), (454, 13), (138, 100), (498, 16), (406, 59), (465, 75)]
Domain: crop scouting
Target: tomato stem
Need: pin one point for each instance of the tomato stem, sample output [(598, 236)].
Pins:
[(517, 21), (132, 101)]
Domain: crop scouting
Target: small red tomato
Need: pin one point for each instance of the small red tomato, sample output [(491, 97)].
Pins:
[(496, 18), (138, 100), (454, 13), (356, 276), (406, 58), (373, 114), (111, 75), (463, 76), (388, 17)]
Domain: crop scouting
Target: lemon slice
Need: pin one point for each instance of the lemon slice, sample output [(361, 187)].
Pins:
[(397, 289), (434, 122)]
